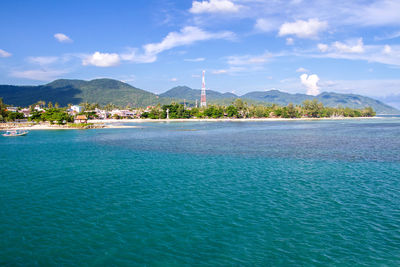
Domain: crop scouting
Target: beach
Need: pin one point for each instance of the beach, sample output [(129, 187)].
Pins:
[(118, 123)]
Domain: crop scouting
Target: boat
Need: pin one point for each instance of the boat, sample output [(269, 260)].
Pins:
[(15, 133)]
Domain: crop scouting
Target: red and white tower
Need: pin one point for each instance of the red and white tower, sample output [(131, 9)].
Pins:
[(203, 102)]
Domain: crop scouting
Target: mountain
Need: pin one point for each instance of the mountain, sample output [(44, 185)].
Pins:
[(281, 98), (329, 99), (105, 91), (63, 91), (184, 92)]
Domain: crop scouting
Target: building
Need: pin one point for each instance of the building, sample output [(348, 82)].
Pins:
[(12, 109), (76, 108), (80, 119), (26, 112)]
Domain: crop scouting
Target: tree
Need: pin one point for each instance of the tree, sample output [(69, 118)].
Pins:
[(291, 111), (232, 111), (313, 108), (368, 112)]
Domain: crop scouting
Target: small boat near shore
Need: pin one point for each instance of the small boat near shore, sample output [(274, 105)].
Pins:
[(15, 133)]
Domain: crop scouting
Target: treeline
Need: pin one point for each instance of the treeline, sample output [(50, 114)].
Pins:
[(6, 115), (240, 109), (52, 114)]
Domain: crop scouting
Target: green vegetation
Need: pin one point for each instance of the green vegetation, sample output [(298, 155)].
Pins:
[(101, 91), (7, 116), (267, 98), (240, 109)]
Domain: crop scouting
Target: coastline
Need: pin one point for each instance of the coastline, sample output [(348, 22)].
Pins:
[(116, 124), (225, 119)]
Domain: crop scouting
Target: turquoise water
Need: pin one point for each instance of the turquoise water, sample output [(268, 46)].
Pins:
[(217, 193)]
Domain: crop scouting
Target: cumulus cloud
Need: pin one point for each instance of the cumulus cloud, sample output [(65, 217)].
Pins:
[(214, 6), (62, 38), (39, 75), (303, 29), (310, 82), (4, 53), (102, 60), (350, 47), (186, 36), (173, 79)]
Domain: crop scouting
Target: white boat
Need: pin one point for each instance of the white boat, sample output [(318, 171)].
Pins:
[(15, 133)]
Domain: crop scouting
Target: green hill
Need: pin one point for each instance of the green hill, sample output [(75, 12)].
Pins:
[(282, 98), (329, 99), (63, 91)]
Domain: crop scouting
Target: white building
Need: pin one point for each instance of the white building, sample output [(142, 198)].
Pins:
[(77, 109)]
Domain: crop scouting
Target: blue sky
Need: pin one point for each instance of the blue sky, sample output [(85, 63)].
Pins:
[(296, 46)]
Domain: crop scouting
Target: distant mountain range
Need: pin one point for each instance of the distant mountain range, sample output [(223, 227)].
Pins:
[(104, 91), (281, 98)]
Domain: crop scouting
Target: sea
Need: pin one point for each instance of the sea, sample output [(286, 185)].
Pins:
[(272, 193)]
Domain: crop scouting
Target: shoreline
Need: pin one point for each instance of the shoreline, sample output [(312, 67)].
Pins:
[(224, 119), (115, 124)]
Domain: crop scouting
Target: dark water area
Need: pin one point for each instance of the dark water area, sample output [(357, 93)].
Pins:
[(204, 193)]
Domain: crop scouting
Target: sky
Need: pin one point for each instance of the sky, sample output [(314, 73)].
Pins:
[(296, 46)]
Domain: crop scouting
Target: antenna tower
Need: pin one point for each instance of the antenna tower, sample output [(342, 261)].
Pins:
[(203, 102)]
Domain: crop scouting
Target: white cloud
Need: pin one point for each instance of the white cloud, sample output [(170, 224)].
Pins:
[(350, 47), (249, 60), (289, 41), (219, 71), (388, 36), (173, 79), (323, 47), (39, 75), (369, 53), (310, 82), (43, 60), (62, 38), (303, 29), (301, 70), (102, 60), (4, 53), (133, 56), (373, 88), (199, 59), (377, 13), (265, 25), (214, 6), (186, 36), (387, 49)]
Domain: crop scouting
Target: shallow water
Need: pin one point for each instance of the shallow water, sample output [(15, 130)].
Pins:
[(207, 193)]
